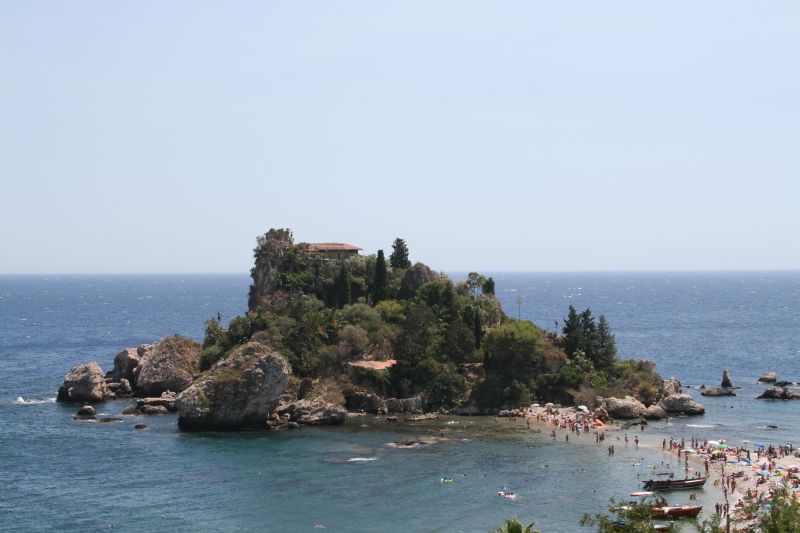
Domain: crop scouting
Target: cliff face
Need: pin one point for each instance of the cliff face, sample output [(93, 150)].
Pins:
[(269, 253)]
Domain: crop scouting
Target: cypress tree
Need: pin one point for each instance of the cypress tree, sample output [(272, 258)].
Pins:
[(399, 257), (379, 283), (343, 288), (476, 323)]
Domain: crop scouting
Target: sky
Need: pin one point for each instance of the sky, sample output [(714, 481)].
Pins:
[(157, 136)]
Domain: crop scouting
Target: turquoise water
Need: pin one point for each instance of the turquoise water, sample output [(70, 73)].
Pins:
[(72, 476)]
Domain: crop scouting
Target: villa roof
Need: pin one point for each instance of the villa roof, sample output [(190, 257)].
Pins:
[(332, 246)]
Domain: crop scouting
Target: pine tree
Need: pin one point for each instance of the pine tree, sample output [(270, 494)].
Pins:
[(606, 344), (572, 331), (343, 288), (399, 257), (379, 284), (588, 335)]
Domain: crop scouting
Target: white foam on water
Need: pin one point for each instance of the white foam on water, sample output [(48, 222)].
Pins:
[(22, 401), (361, 459), (700, 426)]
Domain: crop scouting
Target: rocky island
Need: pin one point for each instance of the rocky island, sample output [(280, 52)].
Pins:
[(329, 331)]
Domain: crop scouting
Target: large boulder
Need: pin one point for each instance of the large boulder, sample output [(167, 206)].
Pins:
[(726, 380), (655, 412), (313, 412), (670, 386), (681, 404), (364, 402), (779, 393), (624, 408), (601, 414), (124, 364), (768, 377), (84, 383), (170, 365), (237, 392), (404, 405)]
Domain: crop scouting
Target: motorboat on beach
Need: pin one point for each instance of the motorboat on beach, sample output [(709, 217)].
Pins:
[(674, 484), (659, 507)]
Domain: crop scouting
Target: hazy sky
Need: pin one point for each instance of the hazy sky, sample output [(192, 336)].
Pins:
[(164, 136)]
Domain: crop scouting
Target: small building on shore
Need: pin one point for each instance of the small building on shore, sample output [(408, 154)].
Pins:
[(332, 250)]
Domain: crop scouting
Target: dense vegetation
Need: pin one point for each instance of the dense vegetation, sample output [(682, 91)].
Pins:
[(451, 341)]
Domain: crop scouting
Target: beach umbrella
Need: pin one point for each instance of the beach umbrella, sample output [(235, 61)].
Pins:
[(583, 408), (722, 446), (535, 405), (713, 443), (549, 404)]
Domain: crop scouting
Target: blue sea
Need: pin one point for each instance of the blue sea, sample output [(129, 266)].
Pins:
[(77, 476)]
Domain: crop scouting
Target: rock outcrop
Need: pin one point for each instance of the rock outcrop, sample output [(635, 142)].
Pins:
[(717, 391), (365, 402), (124, 364), (601, 414), (670, 386), (414, 278), (404, 405), (84, 383), (779, 393), (157, 406), (624, 408), (768, 377), (238, 392), (269, 253), (726, 380), (313, 413), (681, 404), (170, 365)]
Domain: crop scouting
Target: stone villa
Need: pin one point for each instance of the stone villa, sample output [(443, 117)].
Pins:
[(333, 250)]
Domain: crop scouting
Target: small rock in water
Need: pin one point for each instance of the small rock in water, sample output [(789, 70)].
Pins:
[(87, 410), (140, 426)]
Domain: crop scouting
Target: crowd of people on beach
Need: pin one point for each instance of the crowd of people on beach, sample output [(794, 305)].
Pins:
[(739, 472)]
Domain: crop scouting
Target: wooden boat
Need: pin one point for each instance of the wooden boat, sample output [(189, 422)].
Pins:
[(420, 418), (674, 484), (659, 508)]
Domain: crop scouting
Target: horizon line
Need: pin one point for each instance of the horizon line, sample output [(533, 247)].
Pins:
[(452, 271)]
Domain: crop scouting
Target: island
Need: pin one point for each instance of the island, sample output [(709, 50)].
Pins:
[(330, 333)]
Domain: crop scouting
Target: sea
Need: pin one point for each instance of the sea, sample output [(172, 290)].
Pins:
[(65, 475)]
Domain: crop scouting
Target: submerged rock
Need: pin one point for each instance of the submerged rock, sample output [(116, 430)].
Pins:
[(717, 391), (84, 383), (131, 410), (681, 404), (171, 364), (237, 392), (140, 426), (87, 410), (624, 408), (779, 393), (768, 377)]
